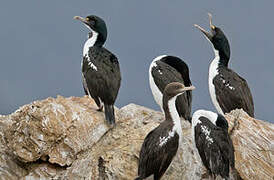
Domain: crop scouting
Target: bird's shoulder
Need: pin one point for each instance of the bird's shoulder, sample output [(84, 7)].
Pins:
[(232, 91), (159, 138), (102, 54), (205, 131), (164, 74), (227, 75), (212, 135)]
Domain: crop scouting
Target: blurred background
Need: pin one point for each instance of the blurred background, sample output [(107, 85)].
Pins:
[(41, 47)]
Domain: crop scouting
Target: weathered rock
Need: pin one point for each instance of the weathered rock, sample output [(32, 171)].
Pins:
[(253, 142), (66, 138)]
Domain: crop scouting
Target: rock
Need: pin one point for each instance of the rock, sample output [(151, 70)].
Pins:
[(67, 138), (252, 140)]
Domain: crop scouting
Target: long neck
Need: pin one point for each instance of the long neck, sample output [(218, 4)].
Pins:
[(100, 41), (94, 39), (170, 110), (222, 59)]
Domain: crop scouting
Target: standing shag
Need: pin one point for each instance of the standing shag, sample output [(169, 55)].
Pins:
[(100, 68), (227, 89), (164, 70), (211, 138), (161, 144)]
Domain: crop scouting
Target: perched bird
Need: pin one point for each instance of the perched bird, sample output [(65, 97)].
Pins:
[(164, 70), (227, 89), (211, 138), (161, 144), (100, 68)]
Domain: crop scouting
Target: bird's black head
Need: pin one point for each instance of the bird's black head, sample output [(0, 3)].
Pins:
[(221, 122), (96, 25), (175, 89), (218, 40)]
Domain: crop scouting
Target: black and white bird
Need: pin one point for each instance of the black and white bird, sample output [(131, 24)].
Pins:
[(100, 68), (164, 70), (161, 144), (227, 89), (210, 134)]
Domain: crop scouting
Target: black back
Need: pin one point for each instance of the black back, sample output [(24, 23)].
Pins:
[(232, 91), (155, 159), (173, 69), (103, 83), (215, 147)]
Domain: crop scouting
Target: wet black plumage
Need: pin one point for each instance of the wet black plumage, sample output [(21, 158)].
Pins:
[(153, 158), (100, 68), (172, 69), (228, 90), (214, 144), (161, 144), (232, 92)]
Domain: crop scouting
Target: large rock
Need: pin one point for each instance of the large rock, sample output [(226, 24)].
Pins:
[(67, 138)]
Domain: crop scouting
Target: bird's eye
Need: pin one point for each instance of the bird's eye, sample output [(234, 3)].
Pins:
[(87, 19)]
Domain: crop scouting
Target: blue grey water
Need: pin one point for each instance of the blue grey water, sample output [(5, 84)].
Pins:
[(41, 47)]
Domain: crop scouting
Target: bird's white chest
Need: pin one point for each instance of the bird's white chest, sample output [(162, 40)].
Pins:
[(213, 71), (157, 94), (177, 128), (89, 43)]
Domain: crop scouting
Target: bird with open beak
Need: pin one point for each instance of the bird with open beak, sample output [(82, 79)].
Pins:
[(227, 89)]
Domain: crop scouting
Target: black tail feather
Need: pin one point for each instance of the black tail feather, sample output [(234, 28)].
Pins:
[(109, 114)]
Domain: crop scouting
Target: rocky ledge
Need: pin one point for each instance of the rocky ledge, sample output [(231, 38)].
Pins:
[(66, 138)]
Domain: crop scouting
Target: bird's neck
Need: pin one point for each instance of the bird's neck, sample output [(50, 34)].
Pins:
[(94, 40), (220, 58), (170, 110)]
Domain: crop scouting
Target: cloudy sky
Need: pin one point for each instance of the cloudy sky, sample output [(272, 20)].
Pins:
[(41, 47)]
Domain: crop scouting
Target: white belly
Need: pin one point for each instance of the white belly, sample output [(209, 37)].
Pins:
[(213, 71), (157, 94)]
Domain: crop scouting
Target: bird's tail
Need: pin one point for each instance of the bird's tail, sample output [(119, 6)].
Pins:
[(109, 114)]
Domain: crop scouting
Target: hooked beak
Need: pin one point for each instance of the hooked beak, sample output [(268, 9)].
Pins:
[(81, 19), (188, 88), (209, 35), (183, 89)]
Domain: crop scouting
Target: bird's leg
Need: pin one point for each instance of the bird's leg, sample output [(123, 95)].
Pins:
[(100, 108), (99, 103)]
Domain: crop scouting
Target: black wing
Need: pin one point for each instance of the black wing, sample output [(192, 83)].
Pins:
[(201, 145), (232, 92), (155, 159), (102, 74), (215, 148), (164, 73)]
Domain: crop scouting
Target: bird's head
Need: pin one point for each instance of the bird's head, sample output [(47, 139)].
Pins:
[(217, 38), (95, 24), (221, 122), (175, 89)]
